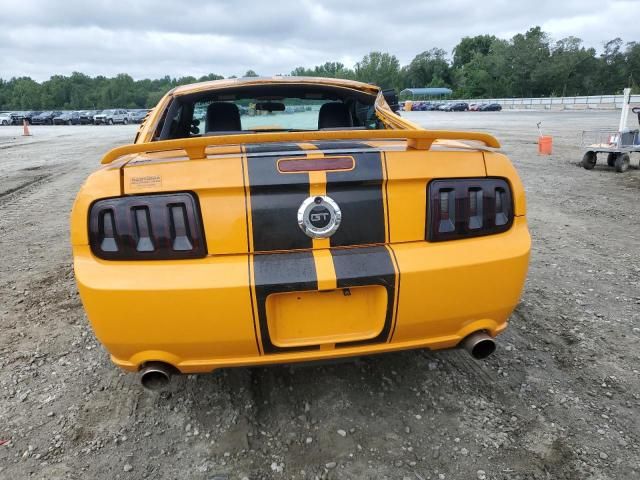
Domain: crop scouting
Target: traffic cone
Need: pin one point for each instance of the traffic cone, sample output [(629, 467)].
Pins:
[(25, 128)]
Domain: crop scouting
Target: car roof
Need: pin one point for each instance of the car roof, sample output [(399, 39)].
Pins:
[(276, 80)]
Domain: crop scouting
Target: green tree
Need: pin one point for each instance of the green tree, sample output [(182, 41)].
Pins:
[(469, 47), (382, 69), (632, 57), (428, 69)]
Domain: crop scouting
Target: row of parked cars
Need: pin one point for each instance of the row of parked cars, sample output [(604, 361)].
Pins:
[(84, 117), (452, 107)]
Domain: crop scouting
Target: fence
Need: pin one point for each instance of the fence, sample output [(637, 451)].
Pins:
[(560, 103)]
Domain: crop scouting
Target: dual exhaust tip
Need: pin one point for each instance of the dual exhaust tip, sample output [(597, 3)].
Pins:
[(479, 345), (157, 375)]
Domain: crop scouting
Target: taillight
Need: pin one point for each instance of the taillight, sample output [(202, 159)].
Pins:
[(468, 207), (147, 227)]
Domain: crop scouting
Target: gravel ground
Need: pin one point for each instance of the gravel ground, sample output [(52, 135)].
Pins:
[(560, 399)]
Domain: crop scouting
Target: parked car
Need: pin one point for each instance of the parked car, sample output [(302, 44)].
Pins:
[(5, 119), (86, 116), (93, 117), (67, 118), (474, 107), (235, 257), (443, 107), (491, 107), (28, 116), (45, 118), (459, 107), (109, 117), (138, 116), (16, 118)]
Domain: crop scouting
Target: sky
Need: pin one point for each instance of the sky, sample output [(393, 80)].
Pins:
[(154, 38)]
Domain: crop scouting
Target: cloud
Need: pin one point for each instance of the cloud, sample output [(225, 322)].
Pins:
[(153, 38)]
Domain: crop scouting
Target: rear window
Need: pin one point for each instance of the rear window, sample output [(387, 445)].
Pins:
[(297, 114), (274, 109)]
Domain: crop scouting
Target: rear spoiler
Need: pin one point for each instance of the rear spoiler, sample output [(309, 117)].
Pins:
[(195, 147)]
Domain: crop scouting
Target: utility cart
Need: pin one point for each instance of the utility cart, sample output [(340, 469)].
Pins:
[(617, 144)]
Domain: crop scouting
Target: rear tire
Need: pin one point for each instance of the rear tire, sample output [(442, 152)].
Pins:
[(622, 162), (589, 160), (611, 159), (110, 121), (5, 123), (125, 121)]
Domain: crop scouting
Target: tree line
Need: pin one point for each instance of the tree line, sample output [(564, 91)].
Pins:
[(529, 64)]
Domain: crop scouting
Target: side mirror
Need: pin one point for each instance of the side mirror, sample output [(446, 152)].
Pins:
[(391, 97)]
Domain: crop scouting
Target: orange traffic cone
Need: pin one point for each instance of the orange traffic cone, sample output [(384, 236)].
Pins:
[(25, 128)]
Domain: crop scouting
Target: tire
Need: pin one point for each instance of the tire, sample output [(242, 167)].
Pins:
[(125, 121), (5, 123), (110, 121), (589, 160), (611, 159), (622, 162), (69, 122)]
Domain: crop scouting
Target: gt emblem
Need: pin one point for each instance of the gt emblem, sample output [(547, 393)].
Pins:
[(319, 217)]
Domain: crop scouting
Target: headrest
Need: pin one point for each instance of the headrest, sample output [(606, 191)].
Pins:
[(223, 117), (334, 115)]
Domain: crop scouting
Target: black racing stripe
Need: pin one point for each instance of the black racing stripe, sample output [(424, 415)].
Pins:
[(358, 192), (279, 273), (272, 147), (359, 267), (340, 145), (275, 199)]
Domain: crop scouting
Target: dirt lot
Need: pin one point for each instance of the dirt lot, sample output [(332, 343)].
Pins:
[(559, 400)]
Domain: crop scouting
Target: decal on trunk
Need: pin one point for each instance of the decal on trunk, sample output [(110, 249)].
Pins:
[(279, 273), (273, 200)]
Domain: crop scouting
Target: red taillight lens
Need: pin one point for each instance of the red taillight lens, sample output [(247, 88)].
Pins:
[(147, 227), (468, 207)]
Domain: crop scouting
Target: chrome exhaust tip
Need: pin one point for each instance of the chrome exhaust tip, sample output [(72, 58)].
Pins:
[(156, 375), (479, 345)]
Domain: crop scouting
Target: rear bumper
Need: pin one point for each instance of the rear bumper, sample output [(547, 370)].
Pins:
[(198, 315)]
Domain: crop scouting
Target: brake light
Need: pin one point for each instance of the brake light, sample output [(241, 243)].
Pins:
[(147, 227), (468, 207)]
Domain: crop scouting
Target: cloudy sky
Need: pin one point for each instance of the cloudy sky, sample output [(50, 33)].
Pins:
[(153, 38)]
